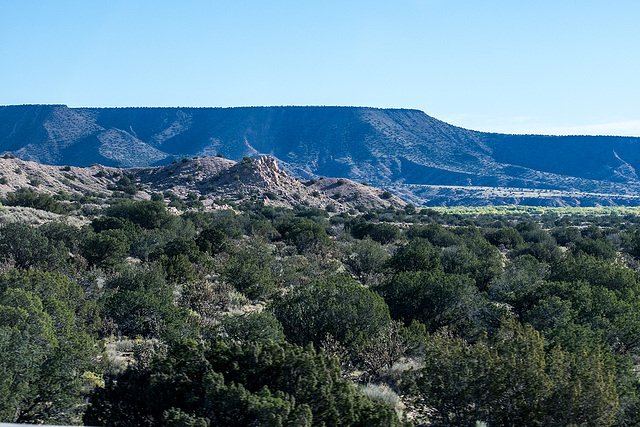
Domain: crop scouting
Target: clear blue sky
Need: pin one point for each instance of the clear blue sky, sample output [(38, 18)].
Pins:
[(560, 66)]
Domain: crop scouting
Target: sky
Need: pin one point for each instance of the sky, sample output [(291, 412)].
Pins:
[(515, 66)]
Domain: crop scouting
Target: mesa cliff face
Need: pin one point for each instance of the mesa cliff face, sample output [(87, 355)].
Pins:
[(395, 148)]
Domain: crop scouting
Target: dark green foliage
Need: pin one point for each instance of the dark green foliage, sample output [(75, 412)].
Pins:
[(258, 275), (179, 246), (545, 251), (141, 303), (106, 249), (145, 213), (365, 258), (226, 221), (477, 258), (508, 237), (597, 272), (212, 241), (125, 185), (34, 181), (271, 195), (70, 235), (312, 213), (338, 306), (435, 234), (29, 198), (566, 235), (27, 247), (512, 380), (46, 344), (386, 195), (270, 384), (434, 298), (252, 327), (633, 244), (599, 248), (263, 229), (381, 233), (305, 234), (131, 230), (249, 271), (177, 268), (418, 255)]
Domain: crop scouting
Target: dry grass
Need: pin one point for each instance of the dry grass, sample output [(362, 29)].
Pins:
[(10, 214)]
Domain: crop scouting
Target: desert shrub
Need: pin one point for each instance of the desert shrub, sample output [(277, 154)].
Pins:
[(29, 198), (365, 258), (381, 232), (304, 233), (419, 254), (271, 195), (434, 298), (106, 249), (207, 299), (507, 237), (212, 241), (69, 235), (249, 271), (252, 327), (230, 385), (510, 379), (147, 214), (566, 235), (27, 247), (599, 248), (338, 306), (140, 302), (46, 345)]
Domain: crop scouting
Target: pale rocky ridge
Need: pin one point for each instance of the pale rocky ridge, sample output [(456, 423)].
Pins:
[(213, 179)]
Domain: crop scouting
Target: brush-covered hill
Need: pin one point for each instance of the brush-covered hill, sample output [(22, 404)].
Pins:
[(405, 150), (210, 182)]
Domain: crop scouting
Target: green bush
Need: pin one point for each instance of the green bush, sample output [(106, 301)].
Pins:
[(231, 385), (27, 197), (46, 328), (338, 306)]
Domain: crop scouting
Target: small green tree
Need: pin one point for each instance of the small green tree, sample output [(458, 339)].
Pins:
[(338, 306), (509, 379)]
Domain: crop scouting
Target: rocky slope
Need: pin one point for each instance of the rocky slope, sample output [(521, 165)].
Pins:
[(403, 149), (213, 181)]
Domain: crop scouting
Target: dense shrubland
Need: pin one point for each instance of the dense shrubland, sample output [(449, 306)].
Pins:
[(273, 316)]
